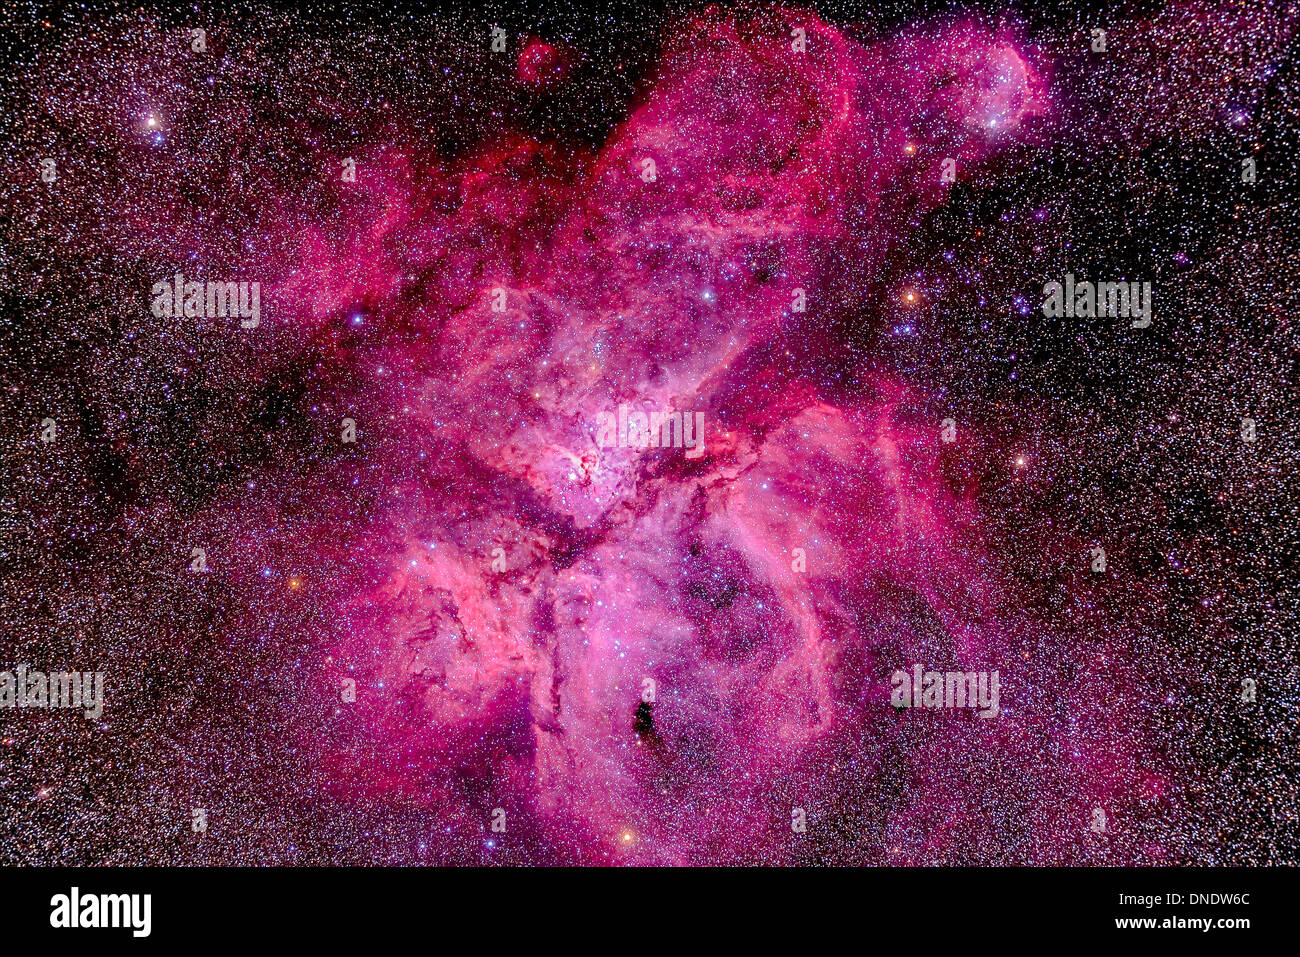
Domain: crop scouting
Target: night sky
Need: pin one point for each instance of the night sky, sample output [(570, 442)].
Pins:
[(366, 581)]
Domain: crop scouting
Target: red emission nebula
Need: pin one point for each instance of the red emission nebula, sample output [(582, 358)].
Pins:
[(612, 499)]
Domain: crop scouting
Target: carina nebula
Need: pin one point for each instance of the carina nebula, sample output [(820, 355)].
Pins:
[(744, 434)]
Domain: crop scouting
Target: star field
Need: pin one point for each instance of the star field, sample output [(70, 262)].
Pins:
[(368, 580)]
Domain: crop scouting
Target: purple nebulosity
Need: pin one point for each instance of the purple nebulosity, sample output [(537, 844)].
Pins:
[(463, 616)]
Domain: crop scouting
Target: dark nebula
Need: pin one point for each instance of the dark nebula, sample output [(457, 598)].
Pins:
[(377, 571)]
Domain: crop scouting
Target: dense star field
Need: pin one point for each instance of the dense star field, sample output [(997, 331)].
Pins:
[(375, 570)]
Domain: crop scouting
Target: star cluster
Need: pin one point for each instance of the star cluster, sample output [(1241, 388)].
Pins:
[(368, 584)]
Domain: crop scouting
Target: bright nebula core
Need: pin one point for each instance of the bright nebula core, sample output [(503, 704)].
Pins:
[(379, 568)]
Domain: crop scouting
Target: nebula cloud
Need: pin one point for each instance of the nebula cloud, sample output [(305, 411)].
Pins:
[(580, 498)]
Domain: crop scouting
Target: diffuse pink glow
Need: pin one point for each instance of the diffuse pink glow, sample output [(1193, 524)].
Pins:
[(622, 566), (452, 613)]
